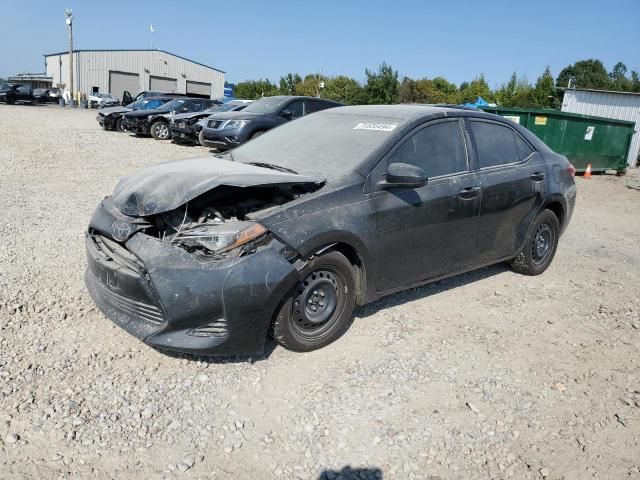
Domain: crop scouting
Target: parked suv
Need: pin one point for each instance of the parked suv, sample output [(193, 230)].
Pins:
[(230, 129), (186, 127), (156, 122), (12, 93)]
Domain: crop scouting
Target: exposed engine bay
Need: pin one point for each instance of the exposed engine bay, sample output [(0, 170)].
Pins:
[(216, 226)]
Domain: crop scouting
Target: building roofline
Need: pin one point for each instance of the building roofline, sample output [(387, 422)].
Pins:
[(597, 91), (133, 50)]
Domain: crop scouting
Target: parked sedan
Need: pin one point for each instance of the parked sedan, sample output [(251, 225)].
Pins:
[(102, 100), (186, 127), (11, 93), (156, 122), (287, 233), (229, 129), (111, 118)]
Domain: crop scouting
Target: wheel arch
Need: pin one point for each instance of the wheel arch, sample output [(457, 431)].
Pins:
[(557, 206)]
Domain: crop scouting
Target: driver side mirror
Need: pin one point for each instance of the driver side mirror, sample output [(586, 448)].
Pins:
[(288, 114), (404, 175)]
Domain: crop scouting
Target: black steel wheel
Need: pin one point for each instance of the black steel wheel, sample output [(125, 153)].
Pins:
[(319, 310), (540, 247), (160, 131)]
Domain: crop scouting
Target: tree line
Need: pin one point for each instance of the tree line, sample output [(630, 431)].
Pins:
[(383, 86)]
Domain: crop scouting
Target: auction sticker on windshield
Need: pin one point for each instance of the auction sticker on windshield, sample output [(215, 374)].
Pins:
[(380, 127)]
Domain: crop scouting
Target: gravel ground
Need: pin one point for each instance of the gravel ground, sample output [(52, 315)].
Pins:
[(487, 375)]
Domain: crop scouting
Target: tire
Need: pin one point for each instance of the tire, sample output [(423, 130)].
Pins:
[(256, 134), (160, 131), (119, 127), (540, 247), (319, 309), (201, 138), (11, 101)]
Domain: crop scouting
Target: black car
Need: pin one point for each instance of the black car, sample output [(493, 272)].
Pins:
[(41, 95), (228, 130), (127, 98), (110, 118), (186, 127), (287, 233), (11, 93), (156, 122)]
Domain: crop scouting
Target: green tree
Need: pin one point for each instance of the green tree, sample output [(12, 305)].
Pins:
[(309, 86), (588, 74), (254, 89), (478, 87), (635, 81), (343, 89), (288, 83), (619, 80), (381, 86), (544, 93)]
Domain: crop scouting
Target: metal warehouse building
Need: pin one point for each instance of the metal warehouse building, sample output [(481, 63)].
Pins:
[(117, 71), (604, 103)]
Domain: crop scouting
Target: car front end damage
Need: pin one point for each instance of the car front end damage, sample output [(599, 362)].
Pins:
[(136, 124), (201, 278), (185, 130)]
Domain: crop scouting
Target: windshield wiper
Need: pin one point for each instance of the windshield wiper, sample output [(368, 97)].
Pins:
[(273, 167)]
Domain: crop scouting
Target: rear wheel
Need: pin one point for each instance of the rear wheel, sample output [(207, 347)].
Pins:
[(319, 310), (160, 131), (540, 247)]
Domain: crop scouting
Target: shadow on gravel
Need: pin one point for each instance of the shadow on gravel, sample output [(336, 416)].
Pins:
[(269, 347), (429, 289), (348, 473)]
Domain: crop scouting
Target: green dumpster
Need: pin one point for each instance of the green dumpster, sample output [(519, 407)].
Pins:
[(583, 139)]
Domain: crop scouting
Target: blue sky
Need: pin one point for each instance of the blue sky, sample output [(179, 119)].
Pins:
[(457, 39)]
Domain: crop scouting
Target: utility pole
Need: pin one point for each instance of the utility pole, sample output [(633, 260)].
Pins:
[(69, 21), (151, 30)]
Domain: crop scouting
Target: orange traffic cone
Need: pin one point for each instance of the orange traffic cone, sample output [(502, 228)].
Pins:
[(587, 172)]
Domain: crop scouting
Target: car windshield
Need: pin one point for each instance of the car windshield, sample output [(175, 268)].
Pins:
[(174, 104), (325, 144), (266, 105)]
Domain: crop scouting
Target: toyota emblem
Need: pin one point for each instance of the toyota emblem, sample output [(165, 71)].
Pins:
[(121, 230)]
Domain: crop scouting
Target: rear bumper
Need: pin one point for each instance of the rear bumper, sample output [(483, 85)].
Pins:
[(169, 300)]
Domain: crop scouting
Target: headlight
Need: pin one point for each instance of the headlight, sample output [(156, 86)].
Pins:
[(220, 238), (235, 123)]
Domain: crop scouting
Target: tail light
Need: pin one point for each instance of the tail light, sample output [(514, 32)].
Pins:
[(571, 169)]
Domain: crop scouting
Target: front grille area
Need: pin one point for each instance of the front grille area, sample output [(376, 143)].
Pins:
[(214, 123), (127, 305)]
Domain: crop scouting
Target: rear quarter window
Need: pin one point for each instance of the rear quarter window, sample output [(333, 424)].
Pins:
[(498, 144)]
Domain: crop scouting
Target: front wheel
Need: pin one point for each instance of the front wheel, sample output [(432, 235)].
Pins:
[(540, 247), (119, 126), (160, 131), (319, 310)]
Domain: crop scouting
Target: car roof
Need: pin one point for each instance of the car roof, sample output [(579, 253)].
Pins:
[(401, 112)]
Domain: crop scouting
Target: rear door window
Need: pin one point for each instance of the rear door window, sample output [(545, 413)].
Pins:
[(312, 106), (498, 144), (438, 149)]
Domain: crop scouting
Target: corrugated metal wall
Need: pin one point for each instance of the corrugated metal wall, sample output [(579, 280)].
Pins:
[(92, 69), (621, 106)]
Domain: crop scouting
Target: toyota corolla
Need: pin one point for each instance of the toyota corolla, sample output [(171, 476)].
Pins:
[(286, 234)]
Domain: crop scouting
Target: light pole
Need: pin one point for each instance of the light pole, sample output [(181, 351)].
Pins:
[(69, 21)]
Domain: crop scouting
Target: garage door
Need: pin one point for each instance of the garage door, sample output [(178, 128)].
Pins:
[(163, 84), (120, 82), (199, 89)]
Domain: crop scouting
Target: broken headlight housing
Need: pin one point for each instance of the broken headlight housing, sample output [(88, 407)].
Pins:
[(222, 238)]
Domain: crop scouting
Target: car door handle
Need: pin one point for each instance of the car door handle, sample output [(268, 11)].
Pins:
[(469, 193), (537, 176)]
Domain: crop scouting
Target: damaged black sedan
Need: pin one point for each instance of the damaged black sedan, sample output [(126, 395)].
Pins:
[(287, 233)]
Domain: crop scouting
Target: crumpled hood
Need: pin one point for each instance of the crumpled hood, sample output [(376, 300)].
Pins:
[(168, 185), (186, 116), (147, 113), (111, 110)]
